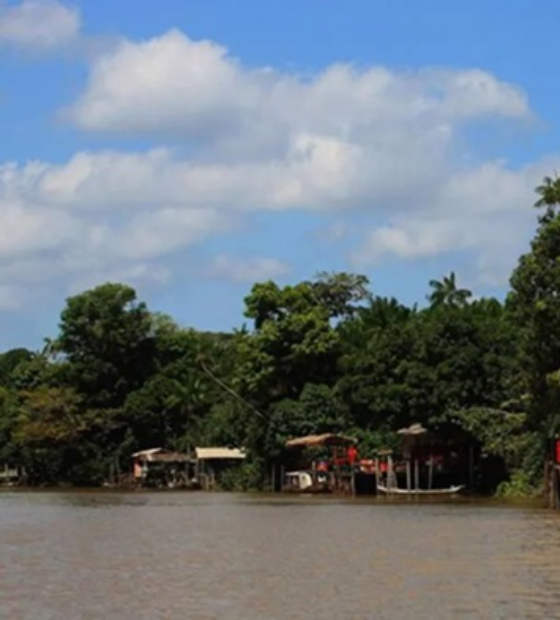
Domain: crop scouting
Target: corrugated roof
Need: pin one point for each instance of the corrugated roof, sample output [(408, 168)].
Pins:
[(147, 452), (326, 439), (161, 455), (206, 454), (414, 429)]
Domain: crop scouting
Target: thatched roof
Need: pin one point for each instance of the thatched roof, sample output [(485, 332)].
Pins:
[(327, 439)]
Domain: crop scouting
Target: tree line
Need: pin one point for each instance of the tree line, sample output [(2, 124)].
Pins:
[(323, 355)]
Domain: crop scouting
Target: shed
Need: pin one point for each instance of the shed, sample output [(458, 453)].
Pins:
[(212, 462), (173, 467)]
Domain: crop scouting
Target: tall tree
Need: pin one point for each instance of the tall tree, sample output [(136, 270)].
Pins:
[(535, 302), (107, 339), (445, 292), (549, 193)]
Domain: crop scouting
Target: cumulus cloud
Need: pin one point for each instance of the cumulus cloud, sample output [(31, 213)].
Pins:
[(237, 269), (172, 83), (38, 24), (390, 145), (485, 211), (52, 228)]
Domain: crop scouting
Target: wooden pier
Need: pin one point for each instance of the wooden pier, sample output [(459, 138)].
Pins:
[(327, 463)]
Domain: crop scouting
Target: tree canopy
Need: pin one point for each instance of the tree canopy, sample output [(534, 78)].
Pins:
[(323, 355)]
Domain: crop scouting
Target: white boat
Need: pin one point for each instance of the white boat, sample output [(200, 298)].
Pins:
[(396, 491)]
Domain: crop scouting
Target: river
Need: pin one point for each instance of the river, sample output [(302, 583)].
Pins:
[(198, 556)]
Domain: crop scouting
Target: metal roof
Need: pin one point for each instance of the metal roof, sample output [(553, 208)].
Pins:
[(327, 439), (147, 452), (161, 455), (206, 454), (414, 429)]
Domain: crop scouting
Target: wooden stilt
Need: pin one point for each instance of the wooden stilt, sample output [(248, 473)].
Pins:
[(471, 466), (416, 475), (408, 476), (557, 487), (431, 472)]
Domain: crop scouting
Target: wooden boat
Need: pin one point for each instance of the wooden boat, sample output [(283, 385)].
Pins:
[(452, 490), (306, 482)]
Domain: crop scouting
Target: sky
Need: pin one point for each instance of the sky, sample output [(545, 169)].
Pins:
[(191, 148)]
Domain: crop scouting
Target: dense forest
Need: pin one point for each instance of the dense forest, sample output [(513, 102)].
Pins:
[(326, 354)]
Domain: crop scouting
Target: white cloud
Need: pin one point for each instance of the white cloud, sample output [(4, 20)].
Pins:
[(390, 145), (486, 211), (66, 223), (250, 270), (38, 24), (172, 85)]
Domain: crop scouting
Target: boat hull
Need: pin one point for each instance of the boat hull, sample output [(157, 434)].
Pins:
[(394, 491)]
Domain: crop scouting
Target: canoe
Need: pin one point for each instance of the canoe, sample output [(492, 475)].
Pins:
[(395, 491)]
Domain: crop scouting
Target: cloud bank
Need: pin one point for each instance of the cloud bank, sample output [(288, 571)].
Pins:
[(392, 147)]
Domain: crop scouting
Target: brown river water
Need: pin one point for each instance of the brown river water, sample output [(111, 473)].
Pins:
[(198, 556)]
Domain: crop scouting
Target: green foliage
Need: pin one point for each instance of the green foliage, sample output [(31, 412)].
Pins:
[(500, 433), (322, 355), (535, 304), (520, 485), (9, 363), (107, 339), (446, 292), (316, 411)]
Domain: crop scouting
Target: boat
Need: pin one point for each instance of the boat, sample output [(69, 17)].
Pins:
[(452, 490), (306, 482)]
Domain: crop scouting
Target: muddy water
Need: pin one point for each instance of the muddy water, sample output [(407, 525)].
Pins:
[(200, 556)]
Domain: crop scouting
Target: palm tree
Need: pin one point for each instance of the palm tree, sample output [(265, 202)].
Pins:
[(549, 192), (446, 293)]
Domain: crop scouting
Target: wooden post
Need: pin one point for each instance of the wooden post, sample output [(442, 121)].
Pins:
[(408, 476), (557, 487), (416, 475), (471, 466), (376, 473), (554, 488), (431, 472), (548, 477)]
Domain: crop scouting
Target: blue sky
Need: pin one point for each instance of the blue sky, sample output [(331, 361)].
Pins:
[(192, 148)]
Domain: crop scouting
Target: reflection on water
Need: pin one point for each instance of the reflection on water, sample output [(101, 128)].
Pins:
[(200, 556)]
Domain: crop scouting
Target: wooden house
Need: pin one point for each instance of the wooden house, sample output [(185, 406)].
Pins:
[(157, 467)]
